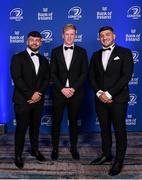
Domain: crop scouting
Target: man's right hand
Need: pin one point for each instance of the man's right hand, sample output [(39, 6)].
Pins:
[(68, 92)]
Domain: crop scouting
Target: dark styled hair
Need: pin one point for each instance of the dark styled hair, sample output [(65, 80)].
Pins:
[(34, 34), (105, 28)]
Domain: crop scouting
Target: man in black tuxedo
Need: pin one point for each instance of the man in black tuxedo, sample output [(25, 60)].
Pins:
[(68, 72), (109, 73), (30, 74)]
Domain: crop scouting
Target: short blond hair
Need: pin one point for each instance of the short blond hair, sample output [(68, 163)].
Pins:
[(69, 26)]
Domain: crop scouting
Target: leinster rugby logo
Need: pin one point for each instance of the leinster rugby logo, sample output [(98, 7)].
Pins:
[(47, 36), (75, 13), (134, 12), (16, 14), (135, 56), (133, 99), (46, 120)]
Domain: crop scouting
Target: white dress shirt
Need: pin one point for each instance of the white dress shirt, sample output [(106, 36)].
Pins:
[(106, 55), (68, 57), (35, 59)]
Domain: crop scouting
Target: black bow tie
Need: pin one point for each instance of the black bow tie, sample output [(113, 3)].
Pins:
[(34, 54), (106, 49), (66, 48)]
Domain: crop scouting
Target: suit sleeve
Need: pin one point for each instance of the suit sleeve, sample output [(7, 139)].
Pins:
[(84, 71), (46, 78), (92, 74), (126, 73), (16, 73), (54, 72)]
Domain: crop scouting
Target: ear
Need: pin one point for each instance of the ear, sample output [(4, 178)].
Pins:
[(114, 36)]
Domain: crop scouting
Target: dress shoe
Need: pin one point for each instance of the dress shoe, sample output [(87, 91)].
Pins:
[(19, 162), (101, 160), (38, 156), (116, 168), (54, 155), (75, 153)]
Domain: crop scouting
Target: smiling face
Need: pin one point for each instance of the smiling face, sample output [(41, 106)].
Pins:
[(34, 43), (69, 35), (107, 38)]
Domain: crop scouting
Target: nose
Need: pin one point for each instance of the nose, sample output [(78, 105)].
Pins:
[(104, 37)]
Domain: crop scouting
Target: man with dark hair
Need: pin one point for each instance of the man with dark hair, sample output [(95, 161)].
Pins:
[(68, 72), (30, 74), (109, 74), (105, 28)]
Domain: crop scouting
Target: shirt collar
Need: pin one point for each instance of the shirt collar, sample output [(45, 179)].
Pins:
[(112, 46), (30, 51), (68, 45)]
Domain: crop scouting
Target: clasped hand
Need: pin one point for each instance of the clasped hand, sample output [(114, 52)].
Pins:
[(103, 97), (68, 92)]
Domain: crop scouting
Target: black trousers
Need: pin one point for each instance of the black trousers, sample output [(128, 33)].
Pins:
[(115, 114), (73, 106), (27, 115)]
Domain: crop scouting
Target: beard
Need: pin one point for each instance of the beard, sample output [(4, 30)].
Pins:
[(33, 49), (109, 44)]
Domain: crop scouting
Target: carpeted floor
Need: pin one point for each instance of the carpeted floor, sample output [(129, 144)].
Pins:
[(65, 167)]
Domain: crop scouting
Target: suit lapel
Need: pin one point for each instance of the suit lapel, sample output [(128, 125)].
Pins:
[(62, 56), (73, 56), (30, 62), (112, 56), (40, 65), (100, 61)]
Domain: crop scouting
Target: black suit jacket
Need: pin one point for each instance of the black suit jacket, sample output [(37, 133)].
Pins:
[(117, 75), (26, 82), (77, 72)]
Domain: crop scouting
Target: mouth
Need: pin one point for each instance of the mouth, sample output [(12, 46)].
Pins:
[(34, 46), (106, 42)]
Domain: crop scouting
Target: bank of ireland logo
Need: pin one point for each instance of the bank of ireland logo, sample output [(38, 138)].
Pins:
[(135, 56), (104, 13), (75, 13), (134, 80), (133, 99), (130, 120), (16, 38), (133, 36), (16, 14), (47, 101), (45, 15), (47, 36), (79, 37), (134, 12)]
